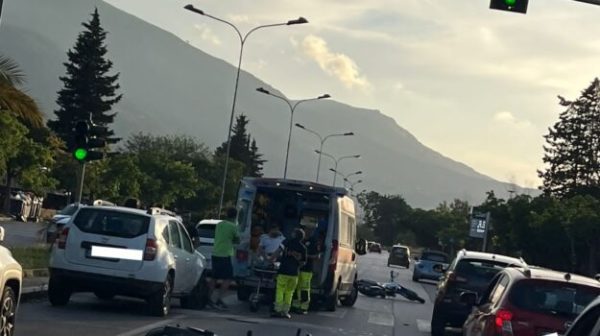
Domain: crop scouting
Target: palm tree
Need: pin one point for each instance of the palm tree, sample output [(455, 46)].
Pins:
[(12, 98)]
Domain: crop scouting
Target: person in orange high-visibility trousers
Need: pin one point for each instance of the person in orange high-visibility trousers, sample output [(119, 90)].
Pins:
[(301, 301), (293, 256)]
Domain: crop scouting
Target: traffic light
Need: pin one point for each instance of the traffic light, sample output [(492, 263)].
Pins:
[(87, 139), (518, 6)]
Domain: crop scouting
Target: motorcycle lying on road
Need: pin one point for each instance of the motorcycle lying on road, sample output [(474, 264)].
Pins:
[(374, 289)]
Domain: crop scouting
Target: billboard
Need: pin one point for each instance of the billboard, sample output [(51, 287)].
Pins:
[(478, 225)]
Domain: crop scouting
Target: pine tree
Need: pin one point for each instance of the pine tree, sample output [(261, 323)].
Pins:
[(573, 147), (243, 148), (89, 91)]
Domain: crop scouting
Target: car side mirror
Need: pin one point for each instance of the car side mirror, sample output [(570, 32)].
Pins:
[(1, 234), (468, 298), (440, 268)]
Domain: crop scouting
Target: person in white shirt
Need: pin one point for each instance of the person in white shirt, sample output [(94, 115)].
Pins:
[(270, 242)]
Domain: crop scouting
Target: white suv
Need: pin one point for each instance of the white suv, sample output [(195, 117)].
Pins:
[(113, 250), (11, 280)]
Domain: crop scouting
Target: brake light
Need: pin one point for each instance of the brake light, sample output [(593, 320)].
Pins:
[(503, 322), (150, 250), (62, 238), (335, 247), (241, 255)]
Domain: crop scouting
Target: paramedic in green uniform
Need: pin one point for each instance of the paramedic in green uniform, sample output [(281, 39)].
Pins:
[(302, 298)]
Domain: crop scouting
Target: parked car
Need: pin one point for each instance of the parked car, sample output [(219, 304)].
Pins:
[(329, 209), (529, 302), (399, 256), (430, 265), (206, 239), (110, 250), (468, 272), (375, 247), (11, 276), (587, 323)]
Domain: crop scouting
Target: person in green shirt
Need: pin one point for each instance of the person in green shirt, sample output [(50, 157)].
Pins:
[(226, 235)]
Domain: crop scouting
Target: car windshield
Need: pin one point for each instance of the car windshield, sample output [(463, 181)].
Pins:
[(112, 223), (69, 210), (399, 250), (437, 257), (553, 298)]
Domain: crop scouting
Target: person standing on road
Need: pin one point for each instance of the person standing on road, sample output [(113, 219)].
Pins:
[(301, 301), (226, 235), (293, 256)]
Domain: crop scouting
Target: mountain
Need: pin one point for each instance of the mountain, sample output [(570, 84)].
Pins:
[(172, 87)]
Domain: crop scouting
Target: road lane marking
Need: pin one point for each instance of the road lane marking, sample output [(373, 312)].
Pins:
[(383, 319), (148, 327), (424, 326)]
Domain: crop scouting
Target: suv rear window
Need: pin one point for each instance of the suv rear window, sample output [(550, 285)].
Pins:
[(552, 297), (399, 250), (206, 230), (436, 257), (111, 223), (481, 270)]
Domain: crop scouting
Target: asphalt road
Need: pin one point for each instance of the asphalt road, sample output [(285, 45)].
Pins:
[(22, 234), (86, 315)]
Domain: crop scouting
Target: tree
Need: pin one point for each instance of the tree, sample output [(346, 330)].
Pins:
[(12, 98), (243, 148), (572, 147), (89, 91)]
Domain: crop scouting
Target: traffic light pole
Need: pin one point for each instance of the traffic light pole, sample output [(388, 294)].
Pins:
[(80, 179)]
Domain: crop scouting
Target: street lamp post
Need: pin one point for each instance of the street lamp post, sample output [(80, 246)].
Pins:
[(292, 110), (337, 161), (346, 178), (243, 39), (322, 142), (353, 184)]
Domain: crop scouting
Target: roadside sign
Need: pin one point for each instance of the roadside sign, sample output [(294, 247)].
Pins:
[(478, 226)]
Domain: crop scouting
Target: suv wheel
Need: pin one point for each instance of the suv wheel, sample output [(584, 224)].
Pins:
[(7, 312), (160, 302), (58, 293), (350, 300), (438, 323), (198, 298)]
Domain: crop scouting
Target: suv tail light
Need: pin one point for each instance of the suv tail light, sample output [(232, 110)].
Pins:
[(62, 238), (503, 322), (241, 255), (335, 248), (150, 250)]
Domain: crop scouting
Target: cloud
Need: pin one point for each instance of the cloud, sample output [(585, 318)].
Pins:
[(338, 65), (207, 34), (508, 118)]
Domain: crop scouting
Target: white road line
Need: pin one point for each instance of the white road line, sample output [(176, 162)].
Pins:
[(424, 326), (383, 319), (148, 327)]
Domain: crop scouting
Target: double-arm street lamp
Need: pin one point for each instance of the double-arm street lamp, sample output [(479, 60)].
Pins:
[(353, 184), (243, 39), (322, 141), (345, 177), (292, 110), (337, 161)]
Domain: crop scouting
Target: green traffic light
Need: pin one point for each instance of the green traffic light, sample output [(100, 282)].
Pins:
[(80, 154), (510, 2)]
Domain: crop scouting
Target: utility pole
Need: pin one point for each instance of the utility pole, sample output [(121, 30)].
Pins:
[(487, 229), (81, 177)]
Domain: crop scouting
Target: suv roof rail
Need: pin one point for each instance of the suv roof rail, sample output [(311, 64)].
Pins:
[(526, 269), (464, 252), (161, 211)]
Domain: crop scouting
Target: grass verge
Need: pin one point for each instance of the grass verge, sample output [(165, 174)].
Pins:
[(31, 257)]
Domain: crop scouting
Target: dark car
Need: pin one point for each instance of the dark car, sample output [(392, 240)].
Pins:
[(375, 247), (529, 302), (587, 323), (399, 256), (468, 272), (429, 265)]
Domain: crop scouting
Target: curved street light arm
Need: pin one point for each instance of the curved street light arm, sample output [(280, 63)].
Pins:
[(310, 131), (328, 155)]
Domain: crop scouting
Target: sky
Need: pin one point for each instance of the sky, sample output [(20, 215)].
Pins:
[(477, 85)]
